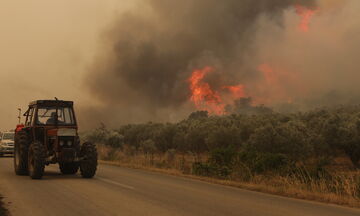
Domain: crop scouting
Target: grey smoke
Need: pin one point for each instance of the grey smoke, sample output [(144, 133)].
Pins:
[(148, 54)]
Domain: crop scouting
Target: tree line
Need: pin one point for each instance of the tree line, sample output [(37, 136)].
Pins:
[(263, 142)]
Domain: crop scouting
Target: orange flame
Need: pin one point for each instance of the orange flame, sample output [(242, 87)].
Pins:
[(276, 85), (236, 91), (306, 14), (205, 98)]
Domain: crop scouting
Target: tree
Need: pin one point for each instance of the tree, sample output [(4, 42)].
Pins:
[(149, 149)]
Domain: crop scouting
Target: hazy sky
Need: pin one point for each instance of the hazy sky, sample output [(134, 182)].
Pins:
[(46, 47)]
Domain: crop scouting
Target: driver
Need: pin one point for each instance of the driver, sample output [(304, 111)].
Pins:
[(52, 119)]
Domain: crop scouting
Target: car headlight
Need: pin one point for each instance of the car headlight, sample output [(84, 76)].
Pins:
[(61, 143), (69, 143)]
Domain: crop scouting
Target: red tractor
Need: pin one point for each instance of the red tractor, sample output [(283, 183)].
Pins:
[(50, 136)]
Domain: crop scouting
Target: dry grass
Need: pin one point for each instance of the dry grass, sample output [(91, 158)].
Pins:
[(342, 189)]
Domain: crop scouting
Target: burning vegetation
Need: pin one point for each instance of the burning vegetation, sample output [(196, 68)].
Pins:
[(274, 85), (202, 95), (206, 98)]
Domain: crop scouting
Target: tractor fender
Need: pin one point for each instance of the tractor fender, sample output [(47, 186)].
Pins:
[(19, 127)]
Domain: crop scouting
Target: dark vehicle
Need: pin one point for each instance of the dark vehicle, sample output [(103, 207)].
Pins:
[(50, 136)]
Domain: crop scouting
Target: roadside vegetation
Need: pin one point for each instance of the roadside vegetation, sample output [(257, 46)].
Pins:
[(312, 155)]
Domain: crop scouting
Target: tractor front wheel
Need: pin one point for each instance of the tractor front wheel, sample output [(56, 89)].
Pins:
[(88, 165), (36, 160)]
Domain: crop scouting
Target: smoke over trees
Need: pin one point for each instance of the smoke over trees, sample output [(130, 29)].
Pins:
[(148, 54)]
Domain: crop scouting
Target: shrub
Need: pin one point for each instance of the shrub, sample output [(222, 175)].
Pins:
[(223, 157), (114, 139), (203, 169), (259, 162)]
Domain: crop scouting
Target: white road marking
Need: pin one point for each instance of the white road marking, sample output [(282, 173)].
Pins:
[(115, 183)]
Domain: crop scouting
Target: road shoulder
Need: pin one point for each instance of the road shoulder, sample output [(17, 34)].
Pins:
[(310, 197)]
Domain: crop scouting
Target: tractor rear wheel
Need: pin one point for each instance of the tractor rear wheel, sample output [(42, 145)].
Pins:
[(21, 153), (69, 168), (88, 165), (36, 160)]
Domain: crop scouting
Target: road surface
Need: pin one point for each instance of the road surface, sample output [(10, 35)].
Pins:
[(122, 191)]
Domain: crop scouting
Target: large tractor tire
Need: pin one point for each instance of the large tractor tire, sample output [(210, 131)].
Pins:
[(69, 168), (88, 165), (36, 160), (21, 153)]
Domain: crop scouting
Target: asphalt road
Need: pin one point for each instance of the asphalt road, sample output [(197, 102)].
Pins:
[(122, 191)]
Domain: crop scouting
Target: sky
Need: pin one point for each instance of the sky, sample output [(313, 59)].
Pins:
[(46, 48)]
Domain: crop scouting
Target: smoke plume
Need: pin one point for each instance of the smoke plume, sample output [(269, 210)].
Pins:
[(279, 52)]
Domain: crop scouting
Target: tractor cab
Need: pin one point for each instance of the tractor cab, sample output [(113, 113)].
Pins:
[(52, 122)]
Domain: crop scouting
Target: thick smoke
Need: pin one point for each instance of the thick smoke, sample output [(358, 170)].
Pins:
[(323, 61), (148, 54)]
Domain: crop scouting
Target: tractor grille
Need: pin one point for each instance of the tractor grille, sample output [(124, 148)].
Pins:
[(67, 155)]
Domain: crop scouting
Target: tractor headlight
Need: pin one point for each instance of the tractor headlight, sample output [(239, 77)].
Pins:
[(61, 143), (69, 143)]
